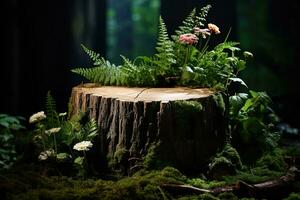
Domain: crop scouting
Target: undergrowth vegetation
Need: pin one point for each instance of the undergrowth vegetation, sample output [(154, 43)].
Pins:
[(65, 149), (184, 59)]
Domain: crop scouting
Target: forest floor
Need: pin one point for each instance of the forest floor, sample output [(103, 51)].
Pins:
[(27, 181)]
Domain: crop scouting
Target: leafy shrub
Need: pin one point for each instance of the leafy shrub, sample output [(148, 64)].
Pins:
[(60, 140), (252, 123), (9, 125)]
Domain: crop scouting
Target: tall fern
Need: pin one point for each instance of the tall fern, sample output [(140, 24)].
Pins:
[(200, 19), (164, 57), (93, 55), (187, 25), (52, 116)]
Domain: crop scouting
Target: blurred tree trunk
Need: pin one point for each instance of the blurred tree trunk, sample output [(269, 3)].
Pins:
[(122, 30)]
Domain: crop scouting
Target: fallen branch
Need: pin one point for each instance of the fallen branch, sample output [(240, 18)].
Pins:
[(241, 188)]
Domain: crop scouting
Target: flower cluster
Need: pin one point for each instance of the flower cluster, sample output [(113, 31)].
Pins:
[(188, 38), (192, 38), (39, 116), (83, 146)]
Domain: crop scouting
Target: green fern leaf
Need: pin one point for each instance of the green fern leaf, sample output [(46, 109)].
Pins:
[(50, 108), (93, 55), (165, 53)]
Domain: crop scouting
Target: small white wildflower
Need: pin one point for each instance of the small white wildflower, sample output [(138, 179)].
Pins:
[(44, 155), (37, 117), (52, 130), (62, 114), (83, 146)]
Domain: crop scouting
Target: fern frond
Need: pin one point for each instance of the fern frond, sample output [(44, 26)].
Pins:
[(95, 57), (200, 19), (90, 129), (104, 74), (187, 25), (51, 113), (164, 47)]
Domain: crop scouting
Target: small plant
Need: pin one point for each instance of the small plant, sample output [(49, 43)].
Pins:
[(56, 137), (8, 127), (184, 59), (252, 122)]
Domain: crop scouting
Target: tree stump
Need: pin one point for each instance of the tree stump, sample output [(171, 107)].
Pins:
[(187, 126)]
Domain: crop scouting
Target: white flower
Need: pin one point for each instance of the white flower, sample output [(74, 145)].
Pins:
[(52, 130), (37, 117), (83, 146), (44, 155), (62, 114)]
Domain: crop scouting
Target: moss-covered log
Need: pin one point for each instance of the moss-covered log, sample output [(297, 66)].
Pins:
[(188, 124)]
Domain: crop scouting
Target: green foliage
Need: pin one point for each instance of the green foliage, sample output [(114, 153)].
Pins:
[(55, 137), (165, 55), (9, 125), (50, 107), (252, 122), (177, 62), (293, 196)]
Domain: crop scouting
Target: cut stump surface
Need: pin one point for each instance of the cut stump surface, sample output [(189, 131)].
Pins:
[(188, 124)]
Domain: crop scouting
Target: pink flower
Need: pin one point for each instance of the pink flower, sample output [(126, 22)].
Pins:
[(204, 32), (188, 38), (214, 29)]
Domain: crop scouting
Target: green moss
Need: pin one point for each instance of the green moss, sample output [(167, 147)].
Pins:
[(151, 160), (227, 196), (253, 175), (199, 197), (273, 160), (186, 115), (231, 153), (200, 183), (143, 185), (120, 155), (293, 196), (189, 106), (219, 101), (227, 162)]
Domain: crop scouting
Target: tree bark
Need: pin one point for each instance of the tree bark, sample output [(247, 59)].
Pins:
[(188, 126)]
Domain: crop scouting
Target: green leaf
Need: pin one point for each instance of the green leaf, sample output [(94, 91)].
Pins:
[(241, 65), (239, 81), (63, 156), (79, 160), (237, 101)]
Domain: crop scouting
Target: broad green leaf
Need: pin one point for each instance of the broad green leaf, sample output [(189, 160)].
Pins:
[(239, 81)]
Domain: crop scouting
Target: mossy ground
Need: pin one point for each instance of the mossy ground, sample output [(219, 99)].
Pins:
[(26, 182)]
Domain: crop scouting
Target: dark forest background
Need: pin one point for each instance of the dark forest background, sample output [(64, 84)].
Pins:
[(41, 43)]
